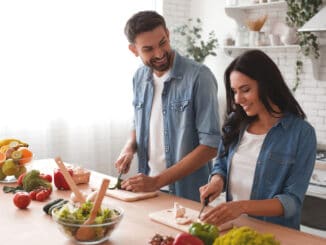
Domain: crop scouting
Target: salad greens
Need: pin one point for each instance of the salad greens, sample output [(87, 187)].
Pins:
[(70, 217)]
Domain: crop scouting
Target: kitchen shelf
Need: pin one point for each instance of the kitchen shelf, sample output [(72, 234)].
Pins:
[(256, 5), (230, 50), (240, 12)]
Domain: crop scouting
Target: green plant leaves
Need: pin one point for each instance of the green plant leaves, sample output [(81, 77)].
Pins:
[(195, 47), (298, 13)]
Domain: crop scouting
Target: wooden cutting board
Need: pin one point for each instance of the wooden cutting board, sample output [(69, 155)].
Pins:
[(129, 196), (166, 217)]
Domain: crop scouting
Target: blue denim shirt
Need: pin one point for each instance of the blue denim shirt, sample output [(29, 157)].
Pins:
[(190, 118), (284, 167)]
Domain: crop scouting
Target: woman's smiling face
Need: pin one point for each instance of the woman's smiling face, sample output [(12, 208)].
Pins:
[(246, 93)]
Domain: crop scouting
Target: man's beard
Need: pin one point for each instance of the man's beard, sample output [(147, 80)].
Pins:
[(161, 67)]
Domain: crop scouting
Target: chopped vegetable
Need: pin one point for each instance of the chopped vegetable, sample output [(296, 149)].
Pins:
[(70, 216)]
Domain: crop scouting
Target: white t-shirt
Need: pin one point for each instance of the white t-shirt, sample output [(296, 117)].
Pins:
[(244, 164), (156, 152)]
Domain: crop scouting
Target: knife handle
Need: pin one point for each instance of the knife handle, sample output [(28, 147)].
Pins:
[(206, 201)]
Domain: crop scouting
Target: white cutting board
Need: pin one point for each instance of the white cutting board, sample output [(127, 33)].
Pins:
[(166, 217)]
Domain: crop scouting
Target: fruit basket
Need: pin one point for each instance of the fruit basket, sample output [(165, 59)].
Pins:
[(14, 158), (70, 218)]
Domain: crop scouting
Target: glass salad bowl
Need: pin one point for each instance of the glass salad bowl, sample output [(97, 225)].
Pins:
[(70, 219)]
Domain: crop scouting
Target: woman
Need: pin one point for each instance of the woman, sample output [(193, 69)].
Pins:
[(268, 150)]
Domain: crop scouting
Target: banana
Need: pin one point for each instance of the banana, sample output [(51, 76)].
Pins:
[(13, 142)]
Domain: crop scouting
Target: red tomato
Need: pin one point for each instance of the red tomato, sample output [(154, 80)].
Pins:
[(42, 195), (20, 179), (21, 200), (32, 194), (187, 239), (46, 177)]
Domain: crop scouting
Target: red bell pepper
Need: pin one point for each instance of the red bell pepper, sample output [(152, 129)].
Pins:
[(187, 239), (59, 179)]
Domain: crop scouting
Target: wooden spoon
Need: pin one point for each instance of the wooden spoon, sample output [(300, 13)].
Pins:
[(85, 233), (80, 197)]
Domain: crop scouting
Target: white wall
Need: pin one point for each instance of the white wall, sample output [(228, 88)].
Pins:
[(312, 92)]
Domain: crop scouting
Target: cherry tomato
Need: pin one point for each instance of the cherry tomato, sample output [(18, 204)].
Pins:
[(20, 179), (21, 200), (46, 177), (32, 194), (42, 195)]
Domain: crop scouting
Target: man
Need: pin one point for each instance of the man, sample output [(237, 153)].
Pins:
[(176, 123)]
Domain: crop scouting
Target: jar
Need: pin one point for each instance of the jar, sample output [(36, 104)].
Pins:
[(241, 36), (231, 2)]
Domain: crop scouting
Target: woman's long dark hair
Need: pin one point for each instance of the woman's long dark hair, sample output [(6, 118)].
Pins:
[(272, 89)]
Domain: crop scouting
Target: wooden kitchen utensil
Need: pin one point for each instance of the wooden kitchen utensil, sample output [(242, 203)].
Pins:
[(85, 233), (73, 187)]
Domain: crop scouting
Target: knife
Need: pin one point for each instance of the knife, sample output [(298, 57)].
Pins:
[(206, 201), (118, 184)]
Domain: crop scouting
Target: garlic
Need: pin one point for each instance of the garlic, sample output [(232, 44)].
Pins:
[(73, 197), (91, 196)]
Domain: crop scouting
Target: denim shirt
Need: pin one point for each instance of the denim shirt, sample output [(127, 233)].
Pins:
[(284, 167), (190, 118)]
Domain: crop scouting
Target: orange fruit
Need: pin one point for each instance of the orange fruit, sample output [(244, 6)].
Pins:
[(2, 158), (26, 155)]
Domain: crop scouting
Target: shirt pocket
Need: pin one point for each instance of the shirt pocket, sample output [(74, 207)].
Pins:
[(181, 114), (138, 105), (179, 106), (277, 168), (281, 158)]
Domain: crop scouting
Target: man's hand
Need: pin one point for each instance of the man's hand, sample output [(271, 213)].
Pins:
[(123, 162), (140, 183)]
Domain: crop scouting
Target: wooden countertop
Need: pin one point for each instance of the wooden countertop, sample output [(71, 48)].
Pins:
[(33, 226)]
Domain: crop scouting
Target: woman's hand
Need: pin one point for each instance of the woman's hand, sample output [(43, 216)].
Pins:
[(212, 189), (223, 213)]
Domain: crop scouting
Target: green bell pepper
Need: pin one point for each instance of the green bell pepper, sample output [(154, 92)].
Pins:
[(205, 232)]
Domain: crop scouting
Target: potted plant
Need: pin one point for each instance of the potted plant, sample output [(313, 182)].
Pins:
[(298, 13), (189, 41)]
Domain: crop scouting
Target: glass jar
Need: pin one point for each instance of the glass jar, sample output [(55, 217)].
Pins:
[(241, 36)]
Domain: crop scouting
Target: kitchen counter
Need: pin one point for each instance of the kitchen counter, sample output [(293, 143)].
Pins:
[(33, 226)]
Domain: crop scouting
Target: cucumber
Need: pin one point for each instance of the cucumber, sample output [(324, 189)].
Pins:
[(50, 204)]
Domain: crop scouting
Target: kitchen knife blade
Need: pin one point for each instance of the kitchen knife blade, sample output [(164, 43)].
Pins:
[(206, 201)]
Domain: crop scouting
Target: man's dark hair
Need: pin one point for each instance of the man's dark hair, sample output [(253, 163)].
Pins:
[(142, 21)]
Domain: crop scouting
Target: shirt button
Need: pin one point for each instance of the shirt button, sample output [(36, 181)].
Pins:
[(165, 132), (164, 112)]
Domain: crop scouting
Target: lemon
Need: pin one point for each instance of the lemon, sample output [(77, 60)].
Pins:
[(10, 167)]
